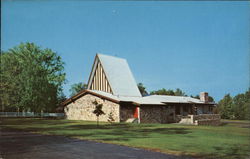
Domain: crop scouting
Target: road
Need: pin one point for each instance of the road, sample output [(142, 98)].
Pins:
[(16, 144)]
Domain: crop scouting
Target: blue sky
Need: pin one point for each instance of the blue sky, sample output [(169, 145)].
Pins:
[(194, 46)]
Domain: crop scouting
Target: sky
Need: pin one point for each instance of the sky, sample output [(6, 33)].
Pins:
[(195, 46)]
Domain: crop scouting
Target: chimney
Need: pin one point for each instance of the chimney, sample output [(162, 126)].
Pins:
[(204, 97)]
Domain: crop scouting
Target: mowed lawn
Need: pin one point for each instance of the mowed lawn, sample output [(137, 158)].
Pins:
[(231, 140)]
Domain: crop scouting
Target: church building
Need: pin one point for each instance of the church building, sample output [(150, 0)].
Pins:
[(111, 83)]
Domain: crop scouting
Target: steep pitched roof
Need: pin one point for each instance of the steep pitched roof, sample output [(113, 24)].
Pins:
[(118, 74)]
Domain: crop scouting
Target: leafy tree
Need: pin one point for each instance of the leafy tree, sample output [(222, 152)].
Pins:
[(210, 99), (111, 118), (237, 107), (61, 99), (142, 89), (246, 105), (98, 110), (163, 91), (76, 88), (32, 78), (179, 92), (241, 105), (225, 107)]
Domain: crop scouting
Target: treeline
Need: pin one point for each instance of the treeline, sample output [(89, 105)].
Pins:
[(170, 92), (31, 79), (237, 107), (163, 91)]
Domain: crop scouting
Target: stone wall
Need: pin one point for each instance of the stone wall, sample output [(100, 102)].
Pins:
[(202, 119), (156, 114), (82, 109), (206, 116), (207, 119), (208, 122), (127, 111)]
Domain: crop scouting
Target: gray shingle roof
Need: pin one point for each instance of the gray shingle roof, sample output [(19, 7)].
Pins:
[(119, 76)]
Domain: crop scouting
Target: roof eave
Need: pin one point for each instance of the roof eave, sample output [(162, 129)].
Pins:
[(82, 93)]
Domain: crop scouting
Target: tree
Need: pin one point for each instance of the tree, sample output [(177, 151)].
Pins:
[(76, 88), (142, 89), (246, 105), (163, 91), (98, 110), (210, 99), (238, 103), (225, 107), (111, 118), (237, 107), (241, 106), (32, 78), (61, 98), (179, 92)]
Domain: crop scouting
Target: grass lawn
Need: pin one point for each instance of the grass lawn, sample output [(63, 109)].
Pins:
[(231, 140)]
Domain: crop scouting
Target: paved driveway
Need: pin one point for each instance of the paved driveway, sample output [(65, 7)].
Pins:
[(25, 145)]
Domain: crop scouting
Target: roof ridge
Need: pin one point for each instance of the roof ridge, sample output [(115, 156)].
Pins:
[(110, 56)]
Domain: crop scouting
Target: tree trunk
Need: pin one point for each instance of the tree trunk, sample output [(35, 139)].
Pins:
[(97, 120)]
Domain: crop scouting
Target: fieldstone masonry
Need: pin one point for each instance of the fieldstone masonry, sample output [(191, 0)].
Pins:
[(207, 119), (127, 111), (156, 114), (82, 109)]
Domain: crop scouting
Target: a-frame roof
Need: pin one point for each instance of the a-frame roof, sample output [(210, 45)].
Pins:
[(118, 74)]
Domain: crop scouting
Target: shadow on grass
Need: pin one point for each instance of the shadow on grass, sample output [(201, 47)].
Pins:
[(108, 132), (230, 152), (236, 124), (122, 132), (25, 121)]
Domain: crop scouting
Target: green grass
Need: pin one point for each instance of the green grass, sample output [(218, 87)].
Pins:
[(231, 140)]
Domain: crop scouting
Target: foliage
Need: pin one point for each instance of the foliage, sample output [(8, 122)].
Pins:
[(61, 98), (229, 141), (163, 91), (31, 78), (142, 89), (237, 107), (226, 107), (77, 87), (179, 92), (98, 110), (111, 118)]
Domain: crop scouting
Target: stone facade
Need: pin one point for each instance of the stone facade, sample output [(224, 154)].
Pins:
[(203, 119), (127, 111), (82, 109), (156, 114), (203, 109), (207, 116)]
